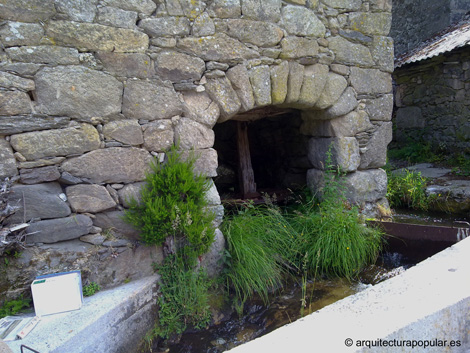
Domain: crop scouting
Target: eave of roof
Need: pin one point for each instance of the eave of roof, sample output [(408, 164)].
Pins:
[(455, 36)]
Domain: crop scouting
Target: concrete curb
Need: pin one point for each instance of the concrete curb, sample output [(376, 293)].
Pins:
[(114, 320), (430, 301)]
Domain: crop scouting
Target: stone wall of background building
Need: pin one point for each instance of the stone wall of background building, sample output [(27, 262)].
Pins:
[(432, 101), (92, 90), (415, 21)]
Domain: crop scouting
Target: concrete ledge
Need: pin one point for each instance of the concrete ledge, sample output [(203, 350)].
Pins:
[(114, 320), (430, 301)]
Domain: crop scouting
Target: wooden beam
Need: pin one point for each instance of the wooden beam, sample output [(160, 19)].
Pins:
[(245, 170)]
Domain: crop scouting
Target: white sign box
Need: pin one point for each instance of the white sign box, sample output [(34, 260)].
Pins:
[(57, 293)]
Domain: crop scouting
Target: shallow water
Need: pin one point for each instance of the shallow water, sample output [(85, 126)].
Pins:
[(285, 307)]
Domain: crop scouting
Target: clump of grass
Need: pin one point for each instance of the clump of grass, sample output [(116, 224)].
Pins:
[(324, 237), (407, 189), (256, 239)]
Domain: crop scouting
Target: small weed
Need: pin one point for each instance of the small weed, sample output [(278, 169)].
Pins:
[(13, 307), (90, 289)]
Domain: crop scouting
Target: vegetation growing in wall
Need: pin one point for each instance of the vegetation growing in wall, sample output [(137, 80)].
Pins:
[(173, 211), (173, 205)]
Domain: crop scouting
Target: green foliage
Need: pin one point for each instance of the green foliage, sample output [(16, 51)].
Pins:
[(173, 204), (255, 237), (417, 152), (12, 307), (408, 189), (90, 289), (184, 298), (326, 237)]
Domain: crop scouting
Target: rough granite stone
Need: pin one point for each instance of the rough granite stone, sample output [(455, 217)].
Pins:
[(332, 91), (41, 162), (144, 6), (19, 33), (203, 26), (11, 81), (158, 135), (39, 175), (111, 16), (240, 79), (83, 93), (129, 192), (377, 23), (260, 78), (370, 81), (345, 152), (114, 221), (44, 54), (77, 10), (126, 131), (89, 198), (27, 10), (127, 65), (219, 47), (349, 53), (294, 82), (190, 134), (225, 9), (261, 34), (206, 162), (150, 100), (382, 53), (176, 67), (301, 21), (298, 47), (60, 229), (314, 80), (166, 26), (351, 5), (366, 186), (94, 36), (59, 142), (200, 107), (262, 10), (212, 260), (14, 103), (8, 164), (345, 126), (375, 155), (10, 125), (221, 91), (37, 201), (110, 165), (380, 108), (279, 78)]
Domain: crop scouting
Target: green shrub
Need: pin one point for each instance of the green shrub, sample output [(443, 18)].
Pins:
[(13, 307), (408, 189), (184, 297), (173, 204)]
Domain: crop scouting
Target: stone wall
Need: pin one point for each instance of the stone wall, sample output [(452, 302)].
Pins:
[(415, 21), (92, 90), (432, 101)]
